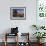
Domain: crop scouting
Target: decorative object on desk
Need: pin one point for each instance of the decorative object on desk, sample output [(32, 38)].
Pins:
[(14, 30), (18, 13)]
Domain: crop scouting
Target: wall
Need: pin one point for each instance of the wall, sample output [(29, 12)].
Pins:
[(24, 25)]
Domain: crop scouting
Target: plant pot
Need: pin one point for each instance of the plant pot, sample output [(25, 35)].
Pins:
[(40, 41)]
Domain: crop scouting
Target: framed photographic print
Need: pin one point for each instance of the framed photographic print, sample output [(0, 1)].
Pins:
[(18, 13)]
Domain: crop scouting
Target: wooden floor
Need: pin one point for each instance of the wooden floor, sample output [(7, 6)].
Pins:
[(13, 44)]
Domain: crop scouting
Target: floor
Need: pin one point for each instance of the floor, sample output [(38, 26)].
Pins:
[(13, 44)]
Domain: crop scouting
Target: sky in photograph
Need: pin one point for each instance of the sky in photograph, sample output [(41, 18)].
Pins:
[(21, 11)]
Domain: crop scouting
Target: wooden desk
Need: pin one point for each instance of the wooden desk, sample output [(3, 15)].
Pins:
[(22, 34), (8, 34)]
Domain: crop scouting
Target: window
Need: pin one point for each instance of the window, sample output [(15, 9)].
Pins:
[(41, 8)]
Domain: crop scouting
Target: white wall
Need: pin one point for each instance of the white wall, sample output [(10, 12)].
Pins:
[(24, 25)]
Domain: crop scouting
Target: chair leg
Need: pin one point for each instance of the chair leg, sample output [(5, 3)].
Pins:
[(5, 40), (5, 43)]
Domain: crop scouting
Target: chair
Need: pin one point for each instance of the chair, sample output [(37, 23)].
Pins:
[(14, 32)]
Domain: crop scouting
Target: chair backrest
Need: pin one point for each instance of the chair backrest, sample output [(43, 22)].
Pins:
[(14, 30)]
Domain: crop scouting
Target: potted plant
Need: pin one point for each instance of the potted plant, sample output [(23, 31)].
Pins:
[(39, 35)]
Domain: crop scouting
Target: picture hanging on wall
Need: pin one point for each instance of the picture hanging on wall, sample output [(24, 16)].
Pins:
[(41, 8), (18, 13)]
